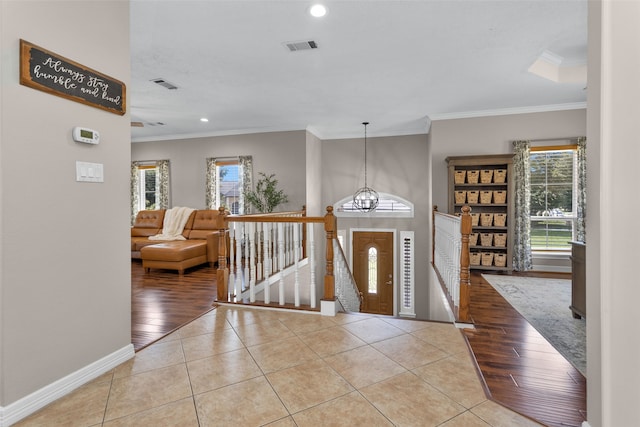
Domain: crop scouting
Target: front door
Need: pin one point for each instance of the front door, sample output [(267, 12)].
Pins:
[(373, 270)]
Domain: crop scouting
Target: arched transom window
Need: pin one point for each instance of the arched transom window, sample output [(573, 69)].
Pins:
[(389, 206)]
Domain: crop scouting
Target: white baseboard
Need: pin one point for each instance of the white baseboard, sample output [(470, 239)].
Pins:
[(26, 406), (585, 424)]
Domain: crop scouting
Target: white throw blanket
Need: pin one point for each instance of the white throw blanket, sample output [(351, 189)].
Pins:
[(174, 221)]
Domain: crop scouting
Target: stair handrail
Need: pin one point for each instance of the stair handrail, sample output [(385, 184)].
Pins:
[(347, 291), (330, 227)]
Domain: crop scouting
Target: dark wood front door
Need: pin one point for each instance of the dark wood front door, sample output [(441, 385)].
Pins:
[(373, 270)]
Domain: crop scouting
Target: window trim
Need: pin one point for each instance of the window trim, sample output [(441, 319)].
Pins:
[(573, 218)]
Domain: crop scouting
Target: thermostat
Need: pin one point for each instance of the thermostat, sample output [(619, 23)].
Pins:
[(85, 135)]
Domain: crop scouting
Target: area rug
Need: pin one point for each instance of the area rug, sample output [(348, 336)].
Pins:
[(544, 303)]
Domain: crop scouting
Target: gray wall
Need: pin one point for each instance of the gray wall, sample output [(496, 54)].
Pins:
[(282, 153), (493, 135), (314, 176), (395, 165), (65, 281)]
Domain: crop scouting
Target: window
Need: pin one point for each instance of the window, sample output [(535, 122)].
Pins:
[(389, 206), (227, 181), (372, 270), (228, 178), (147, 187), (553, 184)]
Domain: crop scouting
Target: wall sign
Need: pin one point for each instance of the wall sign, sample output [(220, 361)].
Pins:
[(49, 72)]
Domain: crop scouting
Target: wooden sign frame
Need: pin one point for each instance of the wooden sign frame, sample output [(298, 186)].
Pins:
[(49, 72)]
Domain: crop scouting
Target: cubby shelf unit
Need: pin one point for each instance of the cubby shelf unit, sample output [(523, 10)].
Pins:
[(463, 189)]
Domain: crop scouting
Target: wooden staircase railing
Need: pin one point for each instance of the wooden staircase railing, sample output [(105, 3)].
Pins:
[(450, 255), (259, 247)]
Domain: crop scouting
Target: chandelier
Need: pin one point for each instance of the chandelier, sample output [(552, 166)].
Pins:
[(365, 199)]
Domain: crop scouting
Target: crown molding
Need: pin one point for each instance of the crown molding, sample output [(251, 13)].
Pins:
[(510, 111)]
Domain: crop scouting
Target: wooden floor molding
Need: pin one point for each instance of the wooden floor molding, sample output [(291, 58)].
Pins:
[(521, 370)]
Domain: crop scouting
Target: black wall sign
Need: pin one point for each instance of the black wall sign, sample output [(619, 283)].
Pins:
[(46, 71)]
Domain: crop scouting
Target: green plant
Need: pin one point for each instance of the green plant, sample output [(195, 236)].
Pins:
[(266, 197)]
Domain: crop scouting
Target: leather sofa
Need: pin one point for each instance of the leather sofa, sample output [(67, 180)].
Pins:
[(200, 245)]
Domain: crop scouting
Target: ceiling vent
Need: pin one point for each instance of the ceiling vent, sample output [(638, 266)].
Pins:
[(301, 45), (143, 124), (164, 83)]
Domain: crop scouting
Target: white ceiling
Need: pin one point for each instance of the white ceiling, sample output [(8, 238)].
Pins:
[(396, 64)]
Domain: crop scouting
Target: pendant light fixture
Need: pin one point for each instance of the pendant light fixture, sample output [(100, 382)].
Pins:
[(365, 199)]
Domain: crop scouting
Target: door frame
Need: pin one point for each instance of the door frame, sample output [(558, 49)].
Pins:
[(350, 232)]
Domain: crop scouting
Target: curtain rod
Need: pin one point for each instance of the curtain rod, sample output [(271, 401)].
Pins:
[(556, 139), (145, 162)]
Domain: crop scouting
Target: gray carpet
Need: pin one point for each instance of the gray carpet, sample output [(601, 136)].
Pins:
[(545, 304)]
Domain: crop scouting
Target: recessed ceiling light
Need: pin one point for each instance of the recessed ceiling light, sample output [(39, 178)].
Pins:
[(318, 10), (204, 119)]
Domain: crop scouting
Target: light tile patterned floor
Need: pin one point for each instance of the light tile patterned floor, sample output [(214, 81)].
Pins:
[(245, 367)]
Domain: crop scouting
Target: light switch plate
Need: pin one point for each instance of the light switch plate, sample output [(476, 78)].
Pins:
[(89, 172)]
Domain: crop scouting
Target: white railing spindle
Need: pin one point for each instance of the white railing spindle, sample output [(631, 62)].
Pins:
[(281, 258), (312, 265)]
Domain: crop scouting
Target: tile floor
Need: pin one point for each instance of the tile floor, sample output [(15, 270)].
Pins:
[(246, 367)]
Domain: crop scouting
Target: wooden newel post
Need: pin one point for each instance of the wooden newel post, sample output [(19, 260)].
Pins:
[(329, 279), (223, 272), (465, 275)]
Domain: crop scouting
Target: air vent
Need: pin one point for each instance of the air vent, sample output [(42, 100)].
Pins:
[(164, 83), (143, 124), (301, 45)]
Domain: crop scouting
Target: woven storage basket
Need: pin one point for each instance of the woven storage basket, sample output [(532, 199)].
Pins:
[(473, 239), (499, 196), (459, 176), (475, 219), (474, 258), (486, 239), (487, 258), (486, 176), (500, 260), (500, 176), (486, 219), (461, 196), (500, 219), (472, 176), (472, 196), (500, 239), (485, 197)]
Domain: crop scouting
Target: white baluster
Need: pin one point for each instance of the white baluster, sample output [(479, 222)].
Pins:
[(296, 245), (239, 240), (281, 256), (252, 261), (312, 265), (259, 227), (267, 262)]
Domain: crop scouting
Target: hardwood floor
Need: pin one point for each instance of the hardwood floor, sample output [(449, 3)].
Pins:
[(521, 370), (162, 300)]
